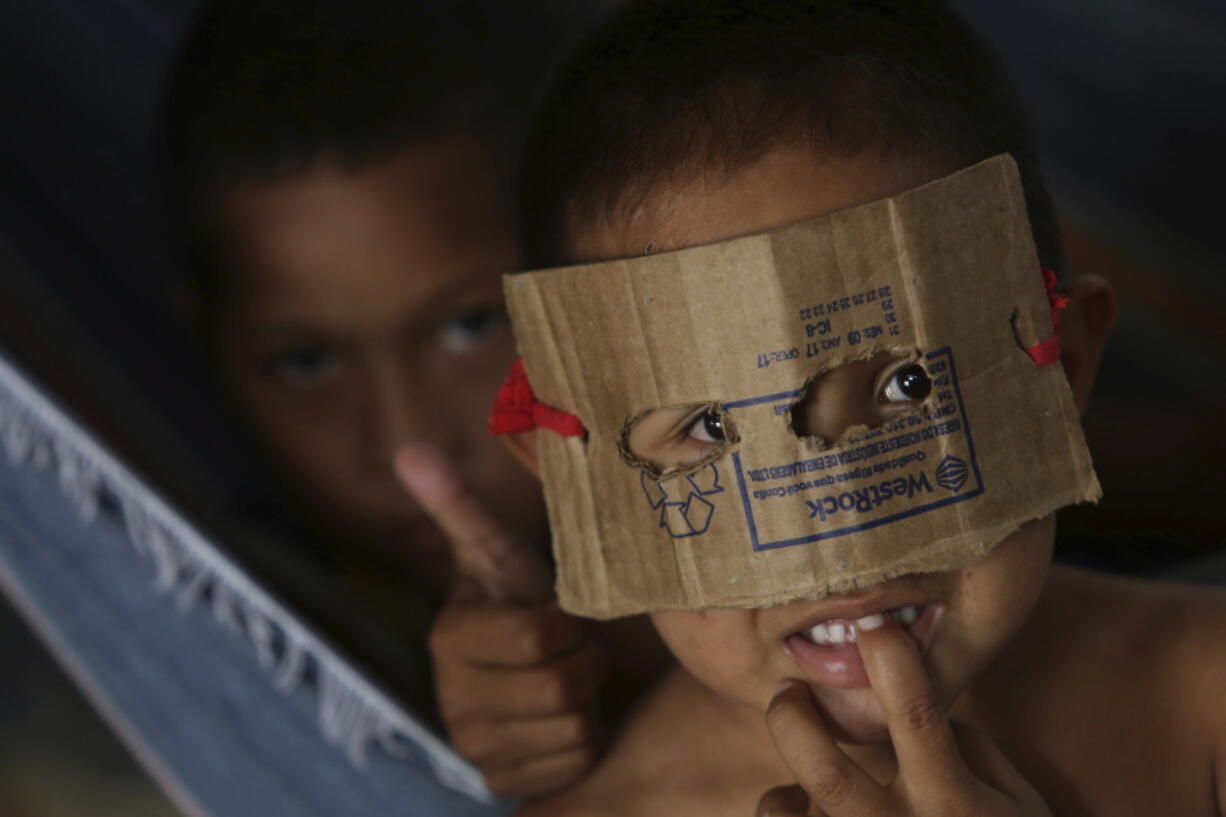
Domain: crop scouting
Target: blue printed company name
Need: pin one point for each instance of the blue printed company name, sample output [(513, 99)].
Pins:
[(915, 464), (863, 500)]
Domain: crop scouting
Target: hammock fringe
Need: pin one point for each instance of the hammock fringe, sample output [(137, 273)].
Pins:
[(352, 713)]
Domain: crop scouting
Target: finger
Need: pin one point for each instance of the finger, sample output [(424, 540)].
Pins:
[(514, 742), (831, 779), (922, 738), (503, 568), (541, 775), (487, 634), (563, 685), (784, 801)]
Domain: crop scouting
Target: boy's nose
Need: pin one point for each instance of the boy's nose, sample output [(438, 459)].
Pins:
[(402, 411)]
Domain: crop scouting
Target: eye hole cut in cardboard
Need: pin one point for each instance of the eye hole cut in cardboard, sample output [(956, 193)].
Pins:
[(943, 279), (671, 442), (837, 403), (850, 400)]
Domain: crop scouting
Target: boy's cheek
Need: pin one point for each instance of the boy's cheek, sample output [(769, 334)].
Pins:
[(990, 601), (706, 641), (684, 631), (724, 650), (305, 431), (1005, 583)]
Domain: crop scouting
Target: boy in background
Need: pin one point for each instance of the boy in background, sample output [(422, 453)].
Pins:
[(342, 174), (1003, 686)]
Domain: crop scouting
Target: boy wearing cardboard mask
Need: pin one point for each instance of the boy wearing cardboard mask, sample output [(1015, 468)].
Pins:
[(825, 419)]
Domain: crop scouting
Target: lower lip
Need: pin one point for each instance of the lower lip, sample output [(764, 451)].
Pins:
[(841, 666)]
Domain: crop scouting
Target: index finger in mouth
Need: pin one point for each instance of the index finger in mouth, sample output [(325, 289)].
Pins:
[(922, 736)]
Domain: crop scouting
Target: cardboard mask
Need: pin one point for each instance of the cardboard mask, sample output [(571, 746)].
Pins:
[(946, 274)]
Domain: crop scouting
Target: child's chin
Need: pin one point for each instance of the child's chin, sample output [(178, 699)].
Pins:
[(854, 716)]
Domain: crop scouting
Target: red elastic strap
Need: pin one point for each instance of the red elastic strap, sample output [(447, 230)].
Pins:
[(517, 409), (1048, 351)]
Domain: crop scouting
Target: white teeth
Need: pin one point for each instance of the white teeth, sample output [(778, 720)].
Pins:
[(907, 615), (832, 634), (838, 633)]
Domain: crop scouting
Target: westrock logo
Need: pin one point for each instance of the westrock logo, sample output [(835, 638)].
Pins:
[(863, 500), (952, 473), (683, 509)]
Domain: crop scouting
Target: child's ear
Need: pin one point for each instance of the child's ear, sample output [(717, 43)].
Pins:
[(1085, 325), (522, 445)]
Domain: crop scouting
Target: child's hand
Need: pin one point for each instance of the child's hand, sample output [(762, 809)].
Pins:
[(944, 770), (516, 678)]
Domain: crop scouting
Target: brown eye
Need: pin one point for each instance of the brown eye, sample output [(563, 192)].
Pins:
[(909, 383), (709, 428)]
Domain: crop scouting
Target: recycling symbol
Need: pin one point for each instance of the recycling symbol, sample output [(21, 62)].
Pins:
[(684, 511)]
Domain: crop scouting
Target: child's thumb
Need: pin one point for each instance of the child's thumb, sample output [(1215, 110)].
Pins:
[(504, 568)]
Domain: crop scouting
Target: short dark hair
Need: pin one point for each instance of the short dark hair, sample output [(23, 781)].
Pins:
[(264, 88), (673, 88)]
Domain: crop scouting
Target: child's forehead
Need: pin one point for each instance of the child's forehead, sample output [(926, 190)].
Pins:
[(446, 188), (790, 183), (403, 226)]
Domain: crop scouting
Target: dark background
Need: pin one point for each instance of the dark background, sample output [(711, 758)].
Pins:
[(1127, 99)]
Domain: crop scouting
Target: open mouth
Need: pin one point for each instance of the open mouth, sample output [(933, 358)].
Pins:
[(826, 652), (837, 632)]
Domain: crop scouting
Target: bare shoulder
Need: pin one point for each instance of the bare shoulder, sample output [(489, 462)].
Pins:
[(611, 790), (1195, 647), (1164, 640), (1176, 618), (1186, 639), (1182, 623), (1127, 676), (606, 793)]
